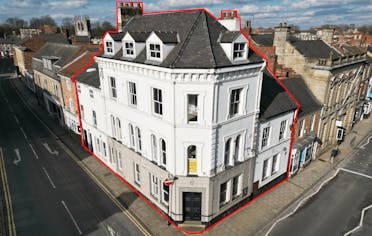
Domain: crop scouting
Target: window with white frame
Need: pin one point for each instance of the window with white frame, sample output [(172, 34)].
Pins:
[(131, 136), (139, 142), (237, 149), (275, 164), (113, 87), (192, 161), (91, 93), (235, 186), (282, 129), (79, 88), (163, 152), (227, 152), (165, 193), (239, 49), (82, 111), (137, 173), (118, 129), (132, 93), (128, 48), (235, 102), (157, 101), (223, 193), (265, 169), (301, 128), (113, 126), (68, 84), (94, 115), (192, 107), (154, 185), (109, 47), (104, 149), (154, 51), (55, 89), (154, 148), (313, 122), (265, 137)]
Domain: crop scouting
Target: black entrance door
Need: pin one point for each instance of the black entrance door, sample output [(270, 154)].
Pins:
[(192, 206)]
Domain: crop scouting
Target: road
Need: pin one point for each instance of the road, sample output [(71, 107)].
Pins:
[(50, 194), (336, 208)]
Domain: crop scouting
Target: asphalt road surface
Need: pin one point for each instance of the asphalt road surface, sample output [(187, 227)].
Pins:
[(336, 209), (50, 193)]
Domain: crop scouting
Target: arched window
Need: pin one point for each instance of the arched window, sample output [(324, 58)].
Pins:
[(191, 152), (131, 134), (113, 127), (163, 152), (138, 135), (118, 128), (154, 148), (192, 160), (227, 152), (237, 149)]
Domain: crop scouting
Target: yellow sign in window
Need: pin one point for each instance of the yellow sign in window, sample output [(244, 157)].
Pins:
[(193, 166)]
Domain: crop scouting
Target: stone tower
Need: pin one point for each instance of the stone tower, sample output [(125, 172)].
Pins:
[(127, 10), (281, 35), (326, 35), (82, 26)]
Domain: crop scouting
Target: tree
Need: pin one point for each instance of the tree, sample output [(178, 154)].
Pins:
[(40, 22), (15, 22), (107, 26), (68, 23)]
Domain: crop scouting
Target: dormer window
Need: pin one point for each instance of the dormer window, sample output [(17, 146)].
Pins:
[(154, 51), (239, 49), (129, 49), (109, 47)]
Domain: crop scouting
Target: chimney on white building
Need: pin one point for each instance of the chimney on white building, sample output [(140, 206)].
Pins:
[(230, 19)]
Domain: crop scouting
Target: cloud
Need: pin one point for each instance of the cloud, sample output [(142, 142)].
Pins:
[(60, 16), (67, 5), (179, 4)]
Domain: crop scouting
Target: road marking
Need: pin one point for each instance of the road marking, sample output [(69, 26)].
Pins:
[(33, 151), (72, 217), (301, 202), (50, 179), (360, 221), (18, 159), (87, 171), (16, 119), (55, 152), (366, 143), (8, 200), (23, 132), (105, 190), (111, 230), (356, 173)]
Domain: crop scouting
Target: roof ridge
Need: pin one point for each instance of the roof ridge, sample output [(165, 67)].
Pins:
[(210, 41), (187, 39)]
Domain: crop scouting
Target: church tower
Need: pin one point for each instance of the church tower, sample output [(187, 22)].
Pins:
[(82, 26)]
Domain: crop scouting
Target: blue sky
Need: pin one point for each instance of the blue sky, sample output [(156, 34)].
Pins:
[(305, 13)]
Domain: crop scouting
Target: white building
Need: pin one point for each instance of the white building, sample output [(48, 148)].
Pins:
[(177, 99), (277, 111)]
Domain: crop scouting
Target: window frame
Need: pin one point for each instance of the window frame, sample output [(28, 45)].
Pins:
[(163, 152), (223, 194), (129, 49), (132, 93), (157, 101), (190, 109), (165, 192), (154, 185), (275, 168), (155, 50), (113, 88), (109, 45), (137, 174), (94, 117), (283, 130), (235, 106), (239, 51), (265, 139)]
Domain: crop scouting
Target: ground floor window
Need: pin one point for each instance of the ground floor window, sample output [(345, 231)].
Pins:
[(137, 174), (165, 193), (223, 193), (154, 186)]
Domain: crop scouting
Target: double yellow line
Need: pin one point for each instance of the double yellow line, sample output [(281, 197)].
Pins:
[(8, 200)]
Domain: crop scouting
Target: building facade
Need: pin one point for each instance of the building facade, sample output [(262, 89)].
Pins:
[(174, 105)]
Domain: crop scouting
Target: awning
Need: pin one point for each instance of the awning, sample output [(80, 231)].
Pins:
[(305, 141)]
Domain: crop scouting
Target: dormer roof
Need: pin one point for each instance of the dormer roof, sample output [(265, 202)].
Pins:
[(139, 37), (230, 36), (198, 34)]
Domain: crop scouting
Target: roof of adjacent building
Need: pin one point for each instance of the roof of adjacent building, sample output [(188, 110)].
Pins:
[(82, 39), (315, 49), (90, 76), (274, 99), (198, 45), (266, 40), (229, 36), (54, 38), (77, 64), (308, 103), (62, 53)]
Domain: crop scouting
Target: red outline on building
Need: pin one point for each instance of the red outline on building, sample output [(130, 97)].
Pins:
[(235, 12)]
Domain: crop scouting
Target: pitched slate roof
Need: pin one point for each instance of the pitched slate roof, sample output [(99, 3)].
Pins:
[(229, 36), (198, 33), (308, 102), (63, 52), (274, 99), (266, 40), (54, 38), (314, 49), (90, 76), (139, 36)]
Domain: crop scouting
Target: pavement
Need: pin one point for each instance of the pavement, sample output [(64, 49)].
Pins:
[(45, 191), (253, 219)]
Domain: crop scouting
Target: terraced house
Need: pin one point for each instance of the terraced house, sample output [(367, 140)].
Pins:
[(172, 105)]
